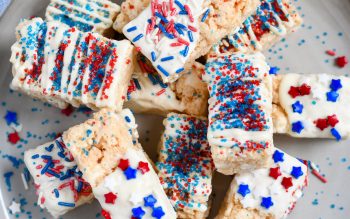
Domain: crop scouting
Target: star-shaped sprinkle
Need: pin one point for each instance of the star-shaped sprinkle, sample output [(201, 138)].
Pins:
[(332, 120), (273, 70), (287, 182), (143, 167), (336, 134), (266, 202), (332, 96), (13, 137), (158, 212), (123, 164), (336, 84), (297, 107), (275, 172), (293, 91), (304, 89), (243, 189), (105, 214), (278, 156), (341, 61), (15, 207), (321, 124), (11, 117), (297, 127), (130, 173), (150, 201), (110, 198), (297, 172), (138, 212)]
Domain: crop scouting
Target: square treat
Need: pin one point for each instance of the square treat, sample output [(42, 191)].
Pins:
[(273, 20), (240, 107), (185, 165), (57, 178), (312, 105), (268, 192), (113, 162), (63, 65), (148, 94), (87, 16), (173, 34)]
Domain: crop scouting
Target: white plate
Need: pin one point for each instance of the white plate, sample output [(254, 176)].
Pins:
[(327, 26)]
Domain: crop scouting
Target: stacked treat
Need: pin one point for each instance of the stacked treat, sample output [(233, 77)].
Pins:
[(220, 115)]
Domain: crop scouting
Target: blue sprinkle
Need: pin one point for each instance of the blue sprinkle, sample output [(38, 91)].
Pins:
[(161, 69), (205, 15), (127, 119), (152, 78), (130, 173), (185, 51), (336, 85), (138, 212), (158, 212), (88, 132), (11, 117), (266, 202), (278, 156), (190, 36), (66, 204), (150, 201), (138, 37), (35, 156), (168, 58), (157, 14), (297, 127), (57, 194), (297, 172), (7, 177), (162, 28), (49, 149), (273, 70), (180, 5), (243, 189), (332, 96), (80, 186), (131, 29), (336, 134), (137, 83), (179, 70), (154, 57), (298, 107)]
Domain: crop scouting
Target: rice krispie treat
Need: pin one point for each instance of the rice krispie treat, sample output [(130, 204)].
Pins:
[(57, 179), (122, 179), (148, 94), (240, 107), (87, 16), (185, 166), (269, 193), (60, 64), (173, 34), (273, 20), (312, 105)]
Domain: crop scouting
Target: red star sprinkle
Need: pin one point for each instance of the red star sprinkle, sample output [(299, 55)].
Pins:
[(293, 92), (110, 198), (332, 120), (105, 214), (304, 89), (275, 172), (341, 61), (287, 182), (321, 124), (123, 164), (13, 138), (67, 111), (143, 167)]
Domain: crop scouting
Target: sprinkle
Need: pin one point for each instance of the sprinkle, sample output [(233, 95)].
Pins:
[(336, 134), (278, 156), (336, 85), (150, 201), (303, 90), (138, 212), (297, 127), (287, 182), (182, 8), (330, 52), (24, 181), (157, 14), (341, 61), (190, 36), (297, 107), (57, 194), (105, 214), (168, 58), (332, 96), (185, 51), (162, 28), (296, 172), (162, 91), (161, 69), (321, 124), (67, 111), (205, 15), (266, 202), (110, 198), (275, 172), (192, 28), (130, 173), (152, 79), (123, 164), (154, 57), (131, 29), (332, 120), (138, 37), (7, 177), (11, 117), (13, 138), (66, 204), (158, 212), (35, 156), (179, 70), (189, 12), (273, 71), (319, 176), (143, 167), (243, 189)]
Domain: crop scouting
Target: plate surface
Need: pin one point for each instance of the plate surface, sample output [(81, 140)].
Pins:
[(326, 27)]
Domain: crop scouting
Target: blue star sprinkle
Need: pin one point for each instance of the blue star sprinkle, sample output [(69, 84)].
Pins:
[(243, 189), (11, 117), (336, 134), (297, 107), (130, 173), (150, 201), (297, 172), (332, 96), (273, 70), (266, 202), (278, 156), (297, 127), (158, 212), (335, 84), (138, 212)]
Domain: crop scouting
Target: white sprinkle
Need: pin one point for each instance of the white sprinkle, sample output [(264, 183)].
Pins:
[(25, 184)]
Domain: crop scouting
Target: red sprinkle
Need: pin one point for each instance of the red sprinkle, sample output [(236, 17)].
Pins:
[(275, 172), (13, 138), (302, 90), (319, 176), (287, 182), (332, 120), (105, 214), (321, 124), (162, 91), (341, 61), (123, 164), (110, 198), (330, 52), (143, 167), (67, 111)]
